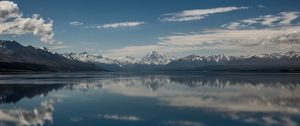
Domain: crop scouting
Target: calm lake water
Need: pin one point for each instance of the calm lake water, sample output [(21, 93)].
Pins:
[(124, 99)]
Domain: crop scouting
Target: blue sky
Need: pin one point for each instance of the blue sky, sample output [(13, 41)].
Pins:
[(174, 27)]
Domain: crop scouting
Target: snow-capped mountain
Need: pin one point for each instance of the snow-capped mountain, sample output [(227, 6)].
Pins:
[(16, 57), (290, 59), (205, 59), (219, 58), (85, 57), (155, 58), (126, 60), (270, 56), (292, 54)]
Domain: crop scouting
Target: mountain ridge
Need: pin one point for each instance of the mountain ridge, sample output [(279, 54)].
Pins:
[(13, 54), (16, 57)]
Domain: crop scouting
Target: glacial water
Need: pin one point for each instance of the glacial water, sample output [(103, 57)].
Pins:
[(149, 99)]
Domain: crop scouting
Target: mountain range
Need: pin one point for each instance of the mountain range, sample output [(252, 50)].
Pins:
[(15, 57), (153, 58)]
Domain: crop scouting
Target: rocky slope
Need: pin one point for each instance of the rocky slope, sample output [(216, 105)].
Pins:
[(16, 57)]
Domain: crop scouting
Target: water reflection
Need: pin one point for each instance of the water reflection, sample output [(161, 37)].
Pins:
[(234, 99), (23, 117), (10, 93)]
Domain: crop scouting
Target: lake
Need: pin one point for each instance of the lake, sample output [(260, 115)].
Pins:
[(149, 99)]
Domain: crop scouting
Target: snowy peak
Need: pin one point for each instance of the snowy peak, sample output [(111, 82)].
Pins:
[(126, 60), (193, 58), (292, 54), (267, 56), (155, 58), (86, 57), (129, 58), (212, 58), (83, 53), (45, 49), (223, 58), (217, 58), (153, 55)]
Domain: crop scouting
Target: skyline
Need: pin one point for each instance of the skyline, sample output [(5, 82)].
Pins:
[(121, 28)]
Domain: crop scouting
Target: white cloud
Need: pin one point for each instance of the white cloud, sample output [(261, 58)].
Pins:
[(8, 10), (121, 25), (242, 41), (281, 19), (288, 17), (120, 117), (76, 23), (12, 22), (197, 14)]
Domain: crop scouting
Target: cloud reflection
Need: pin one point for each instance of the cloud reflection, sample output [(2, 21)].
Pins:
[(253, 99), (183, 123), (23, 117), (120, 117), (279, 96), (218, 95), (265, 120)]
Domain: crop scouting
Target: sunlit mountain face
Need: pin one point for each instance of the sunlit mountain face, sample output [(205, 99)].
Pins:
[(149, 99)]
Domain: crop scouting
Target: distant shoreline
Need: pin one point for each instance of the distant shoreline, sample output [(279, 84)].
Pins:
[(252, 70)]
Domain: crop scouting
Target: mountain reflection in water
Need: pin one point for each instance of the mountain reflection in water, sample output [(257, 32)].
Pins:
[(168, 99)]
